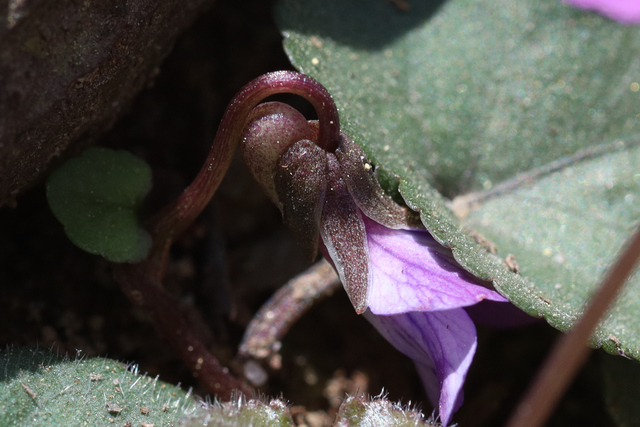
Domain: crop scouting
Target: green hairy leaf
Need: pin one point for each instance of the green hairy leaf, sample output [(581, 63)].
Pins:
[(40, 389), (242, 413), (512, 126)]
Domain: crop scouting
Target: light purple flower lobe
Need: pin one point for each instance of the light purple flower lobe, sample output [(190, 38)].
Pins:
[(409, 272), (624, 11), (441, 344)]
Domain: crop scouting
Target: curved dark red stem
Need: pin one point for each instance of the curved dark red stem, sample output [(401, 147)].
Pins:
[(142, 283), (175, 218)]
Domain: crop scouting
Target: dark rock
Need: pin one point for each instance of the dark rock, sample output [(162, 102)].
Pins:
[(69, 68)]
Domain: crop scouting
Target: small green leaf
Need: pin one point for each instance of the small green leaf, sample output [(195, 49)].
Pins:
[(96, 197), (39, 389), (465, 98)]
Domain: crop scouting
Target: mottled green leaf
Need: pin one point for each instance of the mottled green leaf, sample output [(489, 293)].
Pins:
[(527, 113), (96, 197)]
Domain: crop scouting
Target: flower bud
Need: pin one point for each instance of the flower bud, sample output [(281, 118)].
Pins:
[(271, 129)]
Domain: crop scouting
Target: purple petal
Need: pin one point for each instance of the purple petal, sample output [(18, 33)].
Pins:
[(624, 11), (410, 272), (442, 345)]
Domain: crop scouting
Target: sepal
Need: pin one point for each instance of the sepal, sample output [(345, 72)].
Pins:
[(345, 238), (300, 182), (363, 185)]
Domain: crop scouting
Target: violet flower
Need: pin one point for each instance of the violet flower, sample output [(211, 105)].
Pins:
[(624, 11), (404, 282)]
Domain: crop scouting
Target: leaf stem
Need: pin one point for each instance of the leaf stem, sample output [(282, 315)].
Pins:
[(571, 350)]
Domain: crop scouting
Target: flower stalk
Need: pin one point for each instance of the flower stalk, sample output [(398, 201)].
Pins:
[(142, 282)]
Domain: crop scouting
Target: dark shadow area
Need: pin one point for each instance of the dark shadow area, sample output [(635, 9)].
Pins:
[(29, 359)]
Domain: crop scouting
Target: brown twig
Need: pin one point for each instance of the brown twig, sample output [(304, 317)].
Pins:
[(571, 351)]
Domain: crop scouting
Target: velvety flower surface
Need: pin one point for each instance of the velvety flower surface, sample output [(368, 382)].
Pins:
[(624, 11)]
